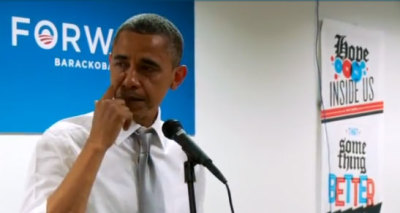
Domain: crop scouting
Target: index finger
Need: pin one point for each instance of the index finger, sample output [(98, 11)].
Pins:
[(110, 92)]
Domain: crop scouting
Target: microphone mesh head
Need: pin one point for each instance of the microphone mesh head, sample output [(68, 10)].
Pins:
[(170, 128)]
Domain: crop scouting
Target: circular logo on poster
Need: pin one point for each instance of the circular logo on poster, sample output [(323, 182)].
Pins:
[(46, 35)]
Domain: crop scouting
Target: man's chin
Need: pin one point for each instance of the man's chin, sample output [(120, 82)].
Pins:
[(135, 107), (140, 108)]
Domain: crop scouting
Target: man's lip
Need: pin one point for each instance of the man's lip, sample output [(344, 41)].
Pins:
[(133, 99)]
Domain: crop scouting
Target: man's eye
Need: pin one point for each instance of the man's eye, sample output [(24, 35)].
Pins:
[(146, 68), (121, 65)]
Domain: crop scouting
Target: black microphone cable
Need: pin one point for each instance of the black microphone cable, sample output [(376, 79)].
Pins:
[(230, 197)]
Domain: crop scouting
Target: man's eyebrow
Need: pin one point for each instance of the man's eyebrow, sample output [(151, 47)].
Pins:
[(120, 57)]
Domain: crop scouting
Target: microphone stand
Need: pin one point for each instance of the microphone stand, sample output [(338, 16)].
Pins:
[(190, 178)]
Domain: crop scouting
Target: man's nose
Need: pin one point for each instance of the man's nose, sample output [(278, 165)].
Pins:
[(131, 78)]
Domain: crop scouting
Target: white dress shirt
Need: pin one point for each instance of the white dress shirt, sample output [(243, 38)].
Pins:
[(114, 190)]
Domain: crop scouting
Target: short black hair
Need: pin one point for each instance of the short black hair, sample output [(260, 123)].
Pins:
[(149, 23)]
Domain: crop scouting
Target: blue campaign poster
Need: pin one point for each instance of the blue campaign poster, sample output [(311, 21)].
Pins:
[(54, 59)]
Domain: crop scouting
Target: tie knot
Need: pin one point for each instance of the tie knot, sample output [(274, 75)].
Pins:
[(142, 130), (144, 137)]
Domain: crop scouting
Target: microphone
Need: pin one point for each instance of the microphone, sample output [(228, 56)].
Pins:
[(173, 130)]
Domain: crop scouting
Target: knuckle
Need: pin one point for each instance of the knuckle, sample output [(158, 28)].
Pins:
[(114, 107), (120, 101), (105, 102)]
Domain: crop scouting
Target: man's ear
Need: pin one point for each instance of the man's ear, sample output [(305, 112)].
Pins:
[(179, 75)]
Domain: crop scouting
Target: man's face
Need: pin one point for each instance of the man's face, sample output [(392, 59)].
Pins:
[(146, 61)]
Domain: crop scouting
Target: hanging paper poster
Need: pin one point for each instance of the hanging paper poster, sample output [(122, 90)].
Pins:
[(351, 118)]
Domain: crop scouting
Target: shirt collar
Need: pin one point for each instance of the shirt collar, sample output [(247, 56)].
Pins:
[(157, 125)]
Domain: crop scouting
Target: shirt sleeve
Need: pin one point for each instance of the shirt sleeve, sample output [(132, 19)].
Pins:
[(46, 171)]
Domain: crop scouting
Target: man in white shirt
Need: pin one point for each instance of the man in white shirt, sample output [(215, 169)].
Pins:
[(89, 163)]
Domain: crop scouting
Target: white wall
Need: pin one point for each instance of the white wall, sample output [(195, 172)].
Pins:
[(256, 104), (257, 107), (15, 154)]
